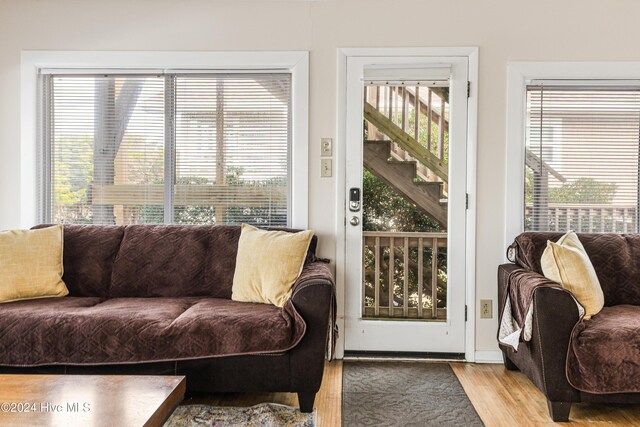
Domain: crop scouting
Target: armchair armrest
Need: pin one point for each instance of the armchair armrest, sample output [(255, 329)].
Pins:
[(555, 314)]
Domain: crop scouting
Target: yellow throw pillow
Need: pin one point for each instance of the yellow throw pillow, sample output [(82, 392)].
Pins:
[(570, 238), (31, 264), (567, 263), (268, 264)]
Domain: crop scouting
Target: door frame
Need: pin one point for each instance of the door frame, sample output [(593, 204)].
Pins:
[(472, 118)]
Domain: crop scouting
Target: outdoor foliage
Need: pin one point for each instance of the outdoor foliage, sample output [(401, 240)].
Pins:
[(386, 210), (232, 214), (579, 191), (73, 180)]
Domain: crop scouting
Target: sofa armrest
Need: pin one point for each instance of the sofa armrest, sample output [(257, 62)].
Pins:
[(313, 297), (555, 314), (313, 274)]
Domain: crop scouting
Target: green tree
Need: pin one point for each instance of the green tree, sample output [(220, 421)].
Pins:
[(258, 216), (72, 177), (385, 210), (580, 191)]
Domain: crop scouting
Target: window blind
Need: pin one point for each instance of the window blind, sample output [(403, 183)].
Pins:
[(582, 150), (232, 137), (202, 148)]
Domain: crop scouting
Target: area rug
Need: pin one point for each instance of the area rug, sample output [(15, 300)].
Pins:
[(262, 415), (404, 394)]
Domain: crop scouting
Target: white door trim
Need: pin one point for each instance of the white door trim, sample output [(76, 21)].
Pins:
[(472, 54)]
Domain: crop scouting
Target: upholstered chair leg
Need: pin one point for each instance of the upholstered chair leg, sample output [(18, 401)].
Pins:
[(306, 401), (508, 363), (559, 411)]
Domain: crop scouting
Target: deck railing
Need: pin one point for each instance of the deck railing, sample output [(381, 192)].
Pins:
[(586, 218), (415, 265)]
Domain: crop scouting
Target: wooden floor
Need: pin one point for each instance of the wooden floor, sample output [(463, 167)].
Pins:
[(507, 398), (501, 397)]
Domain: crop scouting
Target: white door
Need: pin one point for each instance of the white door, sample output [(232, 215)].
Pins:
[(406, 133)]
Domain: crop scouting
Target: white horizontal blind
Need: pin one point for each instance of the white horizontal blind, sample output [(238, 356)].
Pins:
[(127, 149), (232, 138), (582, 151), (106, 149)]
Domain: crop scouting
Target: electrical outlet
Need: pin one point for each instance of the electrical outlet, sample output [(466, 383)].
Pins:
[(326, 147), (486, 309), (325, 168)]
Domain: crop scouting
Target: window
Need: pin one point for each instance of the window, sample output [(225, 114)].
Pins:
[(166, 148), (582, 141)]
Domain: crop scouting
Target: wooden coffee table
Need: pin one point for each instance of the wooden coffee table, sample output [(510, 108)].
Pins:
[(88, 400)]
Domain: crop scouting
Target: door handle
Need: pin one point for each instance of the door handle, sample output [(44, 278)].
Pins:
[(354, 221)]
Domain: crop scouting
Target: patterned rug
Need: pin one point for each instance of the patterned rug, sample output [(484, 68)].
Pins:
[(262, 415), (404, 394)]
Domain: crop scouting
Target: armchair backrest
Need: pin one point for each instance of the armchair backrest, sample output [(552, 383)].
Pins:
[(615, 257)]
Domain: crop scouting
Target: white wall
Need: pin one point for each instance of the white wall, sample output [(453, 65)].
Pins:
[(505, 30)]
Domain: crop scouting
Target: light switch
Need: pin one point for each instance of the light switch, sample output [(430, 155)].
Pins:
[(326, 147), (325, 168)]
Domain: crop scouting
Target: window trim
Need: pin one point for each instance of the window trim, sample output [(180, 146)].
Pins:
[(296, 62), (519, 74)]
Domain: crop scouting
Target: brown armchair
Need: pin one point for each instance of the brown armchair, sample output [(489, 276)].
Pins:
[(569, 359)]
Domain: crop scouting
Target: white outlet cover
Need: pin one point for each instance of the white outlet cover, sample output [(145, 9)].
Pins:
[(326, 146)]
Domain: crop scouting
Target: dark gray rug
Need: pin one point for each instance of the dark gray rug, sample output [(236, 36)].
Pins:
[(403, 394)]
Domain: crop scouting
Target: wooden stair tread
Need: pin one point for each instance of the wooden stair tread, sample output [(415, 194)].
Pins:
[(402, 175)]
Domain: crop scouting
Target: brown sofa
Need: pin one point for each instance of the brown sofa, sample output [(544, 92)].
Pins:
[(570, 359), (147, 299)]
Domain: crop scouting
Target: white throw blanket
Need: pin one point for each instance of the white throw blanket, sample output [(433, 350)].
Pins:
[(510, 332)]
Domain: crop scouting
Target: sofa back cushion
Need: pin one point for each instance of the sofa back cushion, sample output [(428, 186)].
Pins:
[(615, 257), (177, 261), (88, 255)]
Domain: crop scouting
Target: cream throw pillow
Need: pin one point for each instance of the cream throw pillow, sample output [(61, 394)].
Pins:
[(567, 263), (31, 264), (268, 264)]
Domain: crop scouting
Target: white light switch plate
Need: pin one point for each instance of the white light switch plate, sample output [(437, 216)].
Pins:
[(326, 147), (325, 168)]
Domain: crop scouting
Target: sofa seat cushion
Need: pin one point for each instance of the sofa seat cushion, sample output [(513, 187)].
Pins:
[(604, 353), (88, 330)]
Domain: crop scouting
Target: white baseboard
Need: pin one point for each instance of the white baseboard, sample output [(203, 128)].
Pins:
[(493, 356)]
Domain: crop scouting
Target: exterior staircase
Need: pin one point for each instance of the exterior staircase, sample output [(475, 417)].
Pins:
[(417, 172), (402, 175)]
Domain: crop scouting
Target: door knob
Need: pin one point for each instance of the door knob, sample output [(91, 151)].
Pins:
[(354, 221)]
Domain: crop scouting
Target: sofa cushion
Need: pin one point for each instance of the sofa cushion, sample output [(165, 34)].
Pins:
[(604, 352), (177, 261), (89, 253), (31, 264), (615, 258), (84, 330), (268, 264), (566, 262)]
